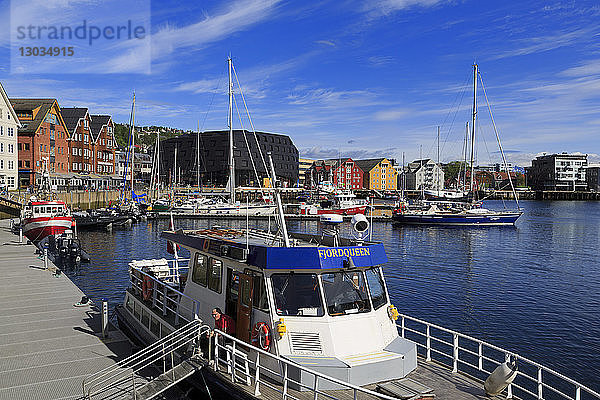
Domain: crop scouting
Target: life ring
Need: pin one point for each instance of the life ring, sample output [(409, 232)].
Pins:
[(205, 244), (147, 287), (261, 336)]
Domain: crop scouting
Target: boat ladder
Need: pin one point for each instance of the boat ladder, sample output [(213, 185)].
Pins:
[(152, 370)]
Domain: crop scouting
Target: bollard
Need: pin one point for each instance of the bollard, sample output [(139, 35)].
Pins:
[(104, 318), (45, 255)]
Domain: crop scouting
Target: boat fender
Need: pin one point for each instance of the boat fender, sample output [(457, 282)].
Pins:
[(393, 312), (147, 287), (261, 336), (501, 377)]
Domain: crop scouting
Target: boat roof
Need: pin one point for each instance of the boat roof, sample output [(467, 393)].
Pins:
[(46, 202), (307, 252)]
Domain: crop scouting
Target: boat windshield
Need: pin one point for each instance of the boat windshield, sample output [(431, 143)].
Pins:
[(375, 282), (297, 294), (345, 293)]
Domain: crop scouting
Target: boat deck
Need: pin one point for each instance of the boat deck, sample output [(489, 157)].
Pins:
[(445, 384), (47, 346)]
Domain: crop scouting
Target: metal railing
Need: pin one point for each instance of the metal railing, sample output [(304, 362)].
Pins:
[(477, 359), (252, 369), (165, 294), (125, 378)]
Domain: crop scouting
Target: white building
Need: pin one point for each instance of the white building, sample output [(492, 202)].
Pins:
[(424, 174), (9, 155)]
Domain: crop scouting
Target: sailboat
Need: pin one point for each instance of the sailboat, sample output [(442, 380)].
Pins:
[(454, 213), (233, 207)]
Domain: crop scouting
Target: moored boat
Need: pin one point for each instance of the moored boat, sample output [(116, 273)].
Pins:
[(41, 218)]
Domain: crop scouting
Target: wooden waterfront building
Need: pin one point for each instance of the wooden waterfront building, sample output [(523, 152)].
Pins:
[(9, 125), (42, 139), (379, 174), (103, 144), (78, 122)]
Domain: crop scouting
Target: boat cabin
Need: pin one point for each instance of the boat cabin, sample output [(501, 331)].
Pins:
[(35, 209), (322, 306)]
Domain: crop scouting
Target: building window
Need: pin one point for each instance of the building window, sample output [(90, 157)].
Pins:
[(26, 146), (11, 164), (74, 166)]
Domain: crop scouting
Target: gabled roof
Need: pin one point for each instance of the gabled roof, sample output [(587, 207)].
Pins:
[(71, 116), (10, 107), (369, 164), (98, 121), (29, 105)]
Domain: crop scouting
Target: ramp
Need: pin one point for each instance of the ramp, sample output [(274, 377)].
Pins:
[(130, 379)]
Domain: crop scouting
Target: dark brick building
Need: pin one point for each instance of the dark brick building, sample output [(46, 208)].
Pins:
[(214, 158)]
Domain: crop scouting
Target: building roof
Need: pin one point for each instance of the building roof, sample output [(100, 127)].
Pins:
[(98, 121), (369, 164), (10, 107), (29, 105), (71, 116)]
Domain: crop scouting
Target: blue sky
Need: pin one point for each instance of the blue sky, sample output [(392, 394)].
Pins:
[(361, 79)]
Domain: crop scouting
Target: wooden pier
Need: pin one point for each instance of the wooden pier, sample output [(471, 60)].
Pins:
[(47, 346)]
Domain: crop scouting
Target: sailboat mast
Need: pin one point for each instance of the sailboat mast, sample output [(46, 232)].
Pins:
[(132, 143), (198, 158), (158, 160), (231, 167), (474, 120), (437, 175)]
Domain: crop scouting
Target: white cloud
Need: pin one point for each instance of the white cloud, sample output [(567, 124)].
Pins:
[(238, 16), (391, 115), (540, 44), (379, 8)]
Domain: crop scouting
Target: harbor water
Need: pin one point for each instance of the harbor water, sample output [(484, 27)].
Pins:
[(533, 289)]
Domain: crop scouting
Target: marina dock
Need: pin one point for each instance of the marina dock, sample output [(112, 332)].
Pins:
[(47, 345)]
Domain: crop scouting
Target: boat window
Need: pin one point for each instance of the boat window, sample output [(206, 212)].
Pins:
[(37, 210), (200, 266), (54, 210), (345, 293), (260, 294), (376, 287), (297, 294), (214, 275)]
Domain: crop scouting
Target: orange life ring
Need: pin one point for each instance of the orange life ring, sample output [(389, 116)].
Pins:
[(147, 287), (261, 336), (205, 244)]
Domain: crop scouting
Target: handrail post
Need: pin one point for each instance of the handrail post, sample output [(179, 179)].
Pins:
[(578, 393), (257, 376), (172, 364), (315, 389), (164, 308), (133, 384), (154, 292), (480, 355), (285, 381), (177, 309), (164, 358), (402, 326), (232, 362), (455, 357), (540, 384), (428, 344)]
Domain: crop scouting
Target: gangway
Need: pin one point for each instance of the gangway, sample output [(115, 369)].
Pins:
[(135, 377)]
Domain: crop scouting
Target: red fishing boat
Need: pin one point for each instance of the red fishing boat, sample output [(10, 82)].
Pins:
[(41, 218)]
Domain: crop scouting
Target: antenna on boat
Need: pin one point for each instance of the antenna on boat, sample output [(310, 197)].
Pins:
[(286, 239)]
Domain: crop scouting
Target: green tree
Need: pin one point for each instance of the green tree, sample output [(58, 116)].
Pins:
[(452, 169)]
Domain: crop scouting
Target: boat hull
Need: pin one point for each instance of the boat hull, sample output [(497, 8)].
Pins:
[(36, 229), (465, 219), (344, 211)]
